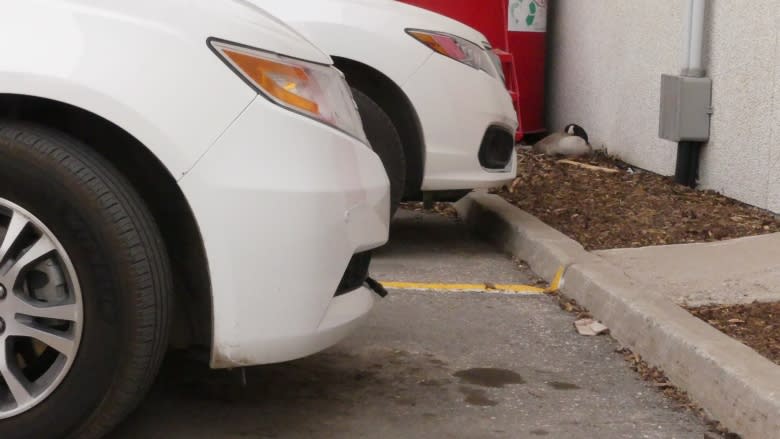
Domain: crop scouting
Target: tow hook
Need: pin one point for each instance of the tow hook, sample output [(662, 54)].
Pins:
[(376, 287)]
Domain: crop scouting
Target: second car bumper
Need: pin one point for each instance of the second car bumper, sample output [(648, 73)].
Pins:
[(457, 107), (283, 203)]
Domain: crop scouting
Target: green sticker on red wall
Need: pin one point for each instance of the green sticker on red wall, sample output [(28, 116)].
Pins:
[(528, 15)]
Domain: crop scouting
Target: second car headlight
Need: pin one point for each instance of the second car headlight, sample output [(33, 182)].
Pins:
[(315, 90), (457, 48)]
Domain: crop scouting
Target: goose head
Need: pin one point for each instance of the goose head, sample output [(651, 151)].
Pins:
[(576, 130)]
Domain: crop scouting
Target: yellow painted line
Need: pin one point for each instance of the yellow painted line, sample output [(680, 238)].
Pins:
[(555, 285), (480, 288), (484, 288)]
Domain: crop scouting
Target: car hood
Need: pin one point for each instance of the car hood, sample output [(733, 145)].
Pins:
[(195, 21), (394, 14)]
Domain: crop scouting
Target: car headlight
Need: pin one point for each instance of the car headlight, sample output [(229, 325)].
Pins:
[(314, 90), (496, 62), (457, 48)]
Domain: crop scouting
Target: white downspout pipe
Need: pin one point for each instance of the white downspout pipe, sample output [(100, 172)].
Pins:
[(693, 43)]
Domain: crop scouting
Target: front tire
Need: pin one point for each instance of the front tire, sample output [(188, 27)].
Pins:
[(102, 283), (386, 142)]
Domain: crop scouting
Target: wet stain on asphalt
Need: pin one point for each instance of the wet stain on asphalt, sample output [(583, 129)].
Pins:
[(434, 382), (476, 397), (559, 385), (489, 377), (409, 402)]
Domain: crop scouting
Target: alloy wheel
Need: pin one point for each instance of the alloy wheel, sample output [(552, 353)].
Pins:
[(41, 311)]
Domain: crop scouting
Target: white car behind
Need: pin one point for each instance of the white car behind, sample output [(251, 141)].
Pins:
[(429, 89), (184, 172)]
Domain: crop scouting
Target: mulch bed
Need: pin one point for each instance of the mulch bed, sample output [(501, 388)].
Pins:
[(756, 325), (629, 208), (445, 209)]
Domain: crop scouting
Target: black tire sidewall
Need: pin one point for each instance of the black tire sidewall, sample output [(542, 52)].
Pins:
[(386, 142), (47, 189)]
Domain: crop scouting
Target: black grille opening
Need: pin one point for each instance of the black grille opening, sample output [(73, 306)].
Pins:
[(497, 148), (356, 273)]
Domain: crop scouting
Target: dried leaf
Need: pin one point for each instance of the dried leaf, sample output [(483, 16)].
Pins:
[(590, 327)]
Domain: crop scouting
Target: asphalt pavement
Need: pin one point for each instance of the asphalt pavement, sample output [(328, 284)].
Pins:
[(429, 364)]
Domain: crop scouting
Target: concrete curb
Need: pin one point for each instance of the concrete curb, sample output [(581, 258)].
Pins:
[(733, 383)]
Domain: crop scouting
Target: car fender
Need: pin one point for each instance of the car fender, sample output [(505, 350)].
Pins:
[(140, 65)]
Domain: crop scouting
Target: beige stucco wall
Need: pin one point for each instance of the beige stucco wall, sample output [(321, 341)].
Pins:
[(606, 58)]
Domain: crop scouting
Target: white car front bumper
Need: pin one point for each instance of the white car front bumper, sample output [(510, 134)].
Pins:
[(456, 105), (283, 203)]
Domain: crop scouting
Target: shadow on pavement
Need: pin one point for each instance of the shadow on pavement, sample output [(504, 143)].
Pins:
[(429, 247), (316, 395)]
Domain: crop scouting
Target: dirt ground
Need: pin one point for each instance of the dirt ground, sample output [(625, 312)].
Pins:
[(756, 325), (627, 208)]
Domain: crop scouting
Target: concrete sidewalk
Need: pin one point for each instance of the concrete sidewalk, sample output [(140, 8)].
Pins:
[(728, 272), (634, 293)]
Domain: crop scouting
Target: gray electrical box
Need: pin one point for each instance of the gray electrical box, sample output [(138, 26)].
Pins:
[(686, 107)]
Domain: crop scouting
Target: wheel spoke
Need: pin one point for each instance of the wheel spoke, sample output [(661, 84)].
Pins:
[(61, 342), (18, 390), (67, 312), (41, 248), (15, 228), (41, 320)]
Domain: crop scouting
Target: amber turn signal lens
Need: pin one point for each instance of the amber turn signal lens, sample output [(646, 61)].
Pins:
[(430, 41), (277, 79)]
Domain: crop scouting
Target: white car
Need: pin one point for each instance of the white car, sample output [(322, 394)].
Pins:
[(430, 90), (183, 172)]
